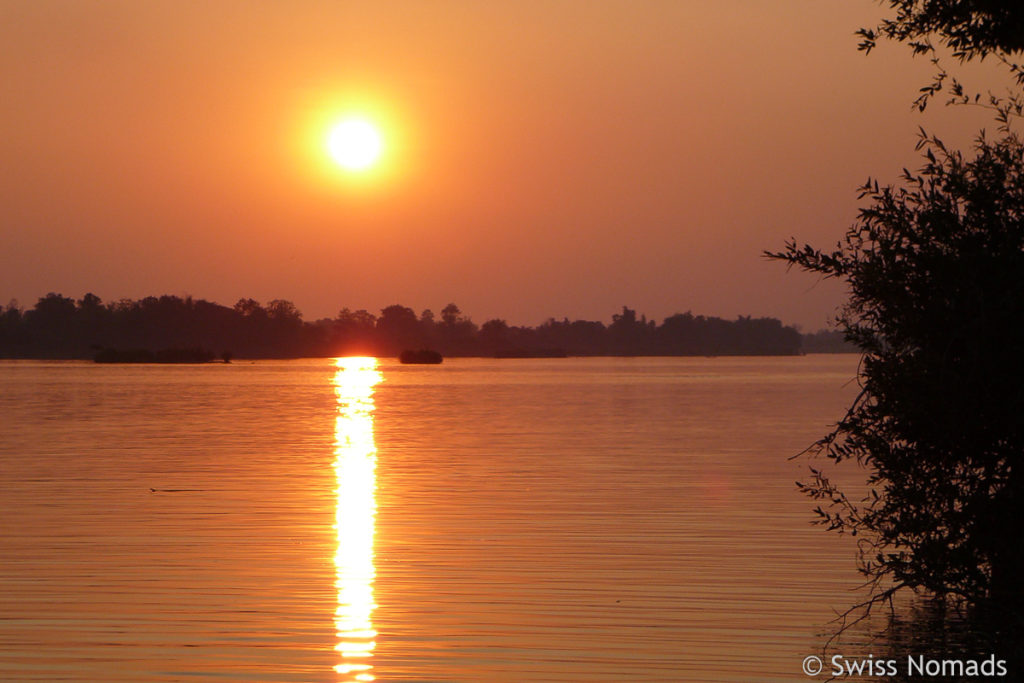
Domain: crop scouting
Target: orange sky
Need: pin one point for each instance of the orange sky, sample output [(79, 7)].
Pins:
[(544, 158)]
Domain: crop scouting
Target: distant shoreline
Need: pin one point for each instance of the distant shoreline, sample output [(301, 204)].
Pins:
[(219, 361), (60, 327)]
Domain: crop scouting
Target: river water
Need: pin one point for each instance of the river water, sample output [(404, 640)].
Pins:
[(355, 520)]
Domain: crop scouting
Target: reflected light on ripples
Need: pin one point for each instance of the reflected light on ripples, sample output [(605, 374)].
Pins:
[(355, 466)]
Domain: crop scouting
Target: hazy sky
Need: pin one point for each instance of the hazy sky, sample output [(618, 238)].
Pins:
[(545, 158)]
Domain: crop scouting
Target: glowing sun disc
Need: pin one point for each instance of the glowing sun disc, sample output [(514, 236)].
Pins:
[(354, 144)]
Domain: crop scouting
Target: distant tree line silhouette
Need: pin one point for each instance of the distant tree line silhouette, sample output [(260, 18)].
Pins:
[(61, 327)]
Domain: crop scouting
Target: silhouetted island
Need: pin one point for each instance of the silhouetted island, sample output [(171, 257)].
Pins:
[(421, 357), (170, 328)]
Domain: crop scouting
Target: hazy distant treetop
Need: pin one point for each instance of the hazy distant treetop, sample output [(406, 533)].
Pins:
[(283, 310), (971, 28), (249, 308), (450, 314)]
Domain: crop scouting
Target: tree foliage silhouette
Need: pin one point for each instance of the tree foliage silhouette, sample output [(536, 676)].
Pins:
[(934, 269), (970, 28), (936, 298)]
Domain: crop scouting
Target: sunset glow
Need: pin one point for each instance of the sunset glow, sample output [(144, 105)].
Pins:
[(440, 140), (353, 341)]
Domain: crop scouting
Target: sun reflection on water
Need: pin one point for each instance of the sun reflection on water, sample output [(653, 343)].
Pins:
[(355, 466)]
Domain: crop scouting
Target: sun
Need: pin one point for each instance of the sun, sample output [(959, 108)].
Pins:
[(355, 144)]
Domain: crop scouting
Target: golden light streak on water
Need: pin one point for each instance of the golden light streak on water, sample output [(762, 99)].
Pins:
[(355, 466)]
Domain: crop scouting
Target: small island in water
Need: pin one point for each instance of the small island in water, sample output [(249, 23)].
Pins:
[(421, 357)]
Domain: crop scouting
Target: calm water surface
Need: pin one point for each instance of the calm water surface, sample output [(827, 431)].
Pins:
[(483, 520)]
